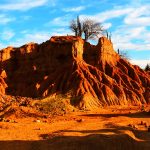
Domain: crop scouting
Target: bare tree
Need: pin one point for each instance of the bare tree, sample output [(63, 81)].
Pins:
[(79, 26), (74, 27), (88, 27), (108, 34), (91, 29)]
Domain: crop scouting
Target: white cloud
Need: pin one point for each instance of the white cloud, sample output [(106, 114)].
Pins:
[(74, 9), (5, 19), (139, 16), (141, 63), (24, 31), (131, 46), (31, 37), (60, 21), (26, 18), (36, 37), (106, 15), (7, 34), (23, 5), (131, 38), (131, 32), (106, 25), (2, 46)]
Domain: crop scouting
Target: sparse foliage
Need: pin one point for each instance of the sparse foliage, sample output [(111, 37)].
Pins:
[(74, 27), (147, 68), (118, 51), (79, 27), (57, 105), (124, 55), (89, 28), (108, 34)]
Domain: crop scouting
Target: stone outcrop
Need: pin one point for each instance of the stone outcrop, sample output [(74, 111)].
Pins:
[(94, 76)]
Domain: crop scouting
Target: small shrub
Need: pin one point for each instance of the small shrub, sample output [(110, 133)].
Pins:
[(124, 55), (147, 68), (57, 105)]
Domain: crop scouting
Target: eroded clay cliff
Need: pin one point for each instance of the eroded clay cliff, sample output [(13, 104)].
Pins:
[(93, 75)]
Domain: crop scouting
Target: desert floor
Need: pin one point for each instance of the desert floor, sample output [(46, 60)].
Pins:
[(112, 128)]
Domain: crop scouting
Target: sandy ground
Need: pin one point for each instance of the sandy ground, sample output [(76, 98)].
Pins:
[(111, 128)]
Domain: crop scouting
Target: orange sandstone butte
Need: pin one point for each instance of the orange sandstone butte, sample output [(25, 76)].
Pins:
[(95, 76)]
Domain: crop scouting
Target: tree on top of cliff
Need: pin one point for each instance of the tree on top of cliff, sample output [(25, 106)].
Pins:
[(89, 28), (76, 26)]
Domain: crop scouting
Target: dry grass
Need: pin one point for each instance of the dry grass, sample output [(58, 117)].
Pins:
[(54, 105)]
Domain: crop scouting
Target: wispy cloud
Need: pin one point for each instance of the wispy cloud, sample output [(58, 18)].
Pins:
[(131, 38), (74, 9), (141, 63), (131, 33), (31, 37), (36, 37), (107, 25), (60, 21), (106, 15), (4, 19), (140, 16), (7, 34), (26, 18), (2, 45), (23, 5)]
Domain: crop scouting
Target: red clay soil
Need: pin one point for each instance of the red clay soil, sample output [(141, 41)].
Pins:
[(113, 128), (94, 75)]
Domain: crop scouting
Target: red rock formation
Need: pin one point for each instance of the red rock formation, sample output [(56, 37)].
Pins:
[(93, 75)]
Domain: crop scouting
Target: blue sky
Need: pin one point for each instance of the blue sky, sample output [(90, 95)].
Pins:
[(23, 21)]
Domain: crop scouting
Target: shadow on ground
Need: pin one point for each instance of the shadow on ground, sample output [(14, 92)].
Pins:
[(122, 138), (88, 140), (111, 137), (143, 114)]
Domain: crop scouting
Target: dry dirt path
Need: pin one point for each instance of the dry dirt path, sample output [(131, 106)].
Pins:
[(116, 129)]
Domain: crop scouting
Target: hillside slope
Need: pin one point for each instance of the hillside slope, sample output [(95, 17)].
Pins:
[(94, 76)]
